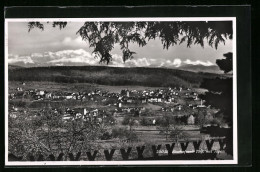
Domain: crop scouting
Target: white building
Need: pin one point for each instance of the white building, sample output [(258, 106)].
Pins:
[(191, 120)]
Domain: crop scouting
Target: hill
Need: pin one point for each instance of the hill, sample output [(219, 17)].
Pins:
[(14, 67), (153, 77), (202, 68)]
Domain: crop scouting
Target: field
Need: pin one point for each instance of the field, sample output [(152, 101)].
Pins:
[(74, 87)]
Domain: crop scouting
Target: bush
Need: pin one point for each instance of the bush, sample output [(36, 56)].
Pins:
[(119, 132), (126, 120), (146, 121), (177, 134), (110, 120), (123, 133), (106, 136), (143, 121), (132, 136), (18, 103), (217, 121)]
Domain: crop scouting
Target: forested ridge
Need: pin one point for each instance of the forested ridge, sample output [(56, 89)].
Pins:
[(155, 77)]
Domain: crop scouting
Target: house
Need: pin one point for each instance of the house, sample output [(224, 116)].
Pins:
[(129, 99), (127, 110), (125, 92), (55, 111), (191, 120), (19, 89), (67, 117), (168, 99), (74, 96), (85, 111), (26, 92), (57, 96), (11, 96), (154, 99), (154, 121), (48, 95), (41, 93), (201, 104), (95, 112), (149, 121), (79, 97), (179, 107), (14, 108), (38, 97), (69, 111), (98, 120), (144, 100), (68, 96), (78, 115), (142, 108), (13, 115), (82, 111)]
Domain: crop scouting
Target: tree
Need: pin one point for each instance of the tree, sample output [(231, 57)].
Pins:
[(220, 91), (124, 133), (225, 64), (47, 133), (200, 119), (130, 121), (102, 36), (165, 125), (220, 96), (176, 133)]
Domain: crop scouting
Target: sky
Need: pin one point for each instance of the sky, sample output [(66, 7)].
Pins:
[(55, 47)]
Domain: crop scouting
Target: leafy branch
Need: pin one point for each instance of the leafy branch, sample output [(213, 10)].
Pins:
[(102, 36)]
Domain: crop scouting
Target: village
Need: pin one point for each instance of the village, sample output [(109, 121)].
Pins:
[(134, 103)]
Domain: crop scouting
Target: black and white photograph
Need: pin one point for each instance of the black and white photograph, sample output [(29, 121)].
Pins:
[(120, 91)]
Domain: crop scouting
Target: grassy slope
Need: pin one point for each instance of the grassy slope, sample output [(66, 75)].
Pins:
[(154, 77)]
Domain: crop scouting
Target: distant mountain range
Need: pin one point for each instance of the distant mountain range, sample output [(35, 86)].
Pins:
[(201, 68), (81, 57)]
